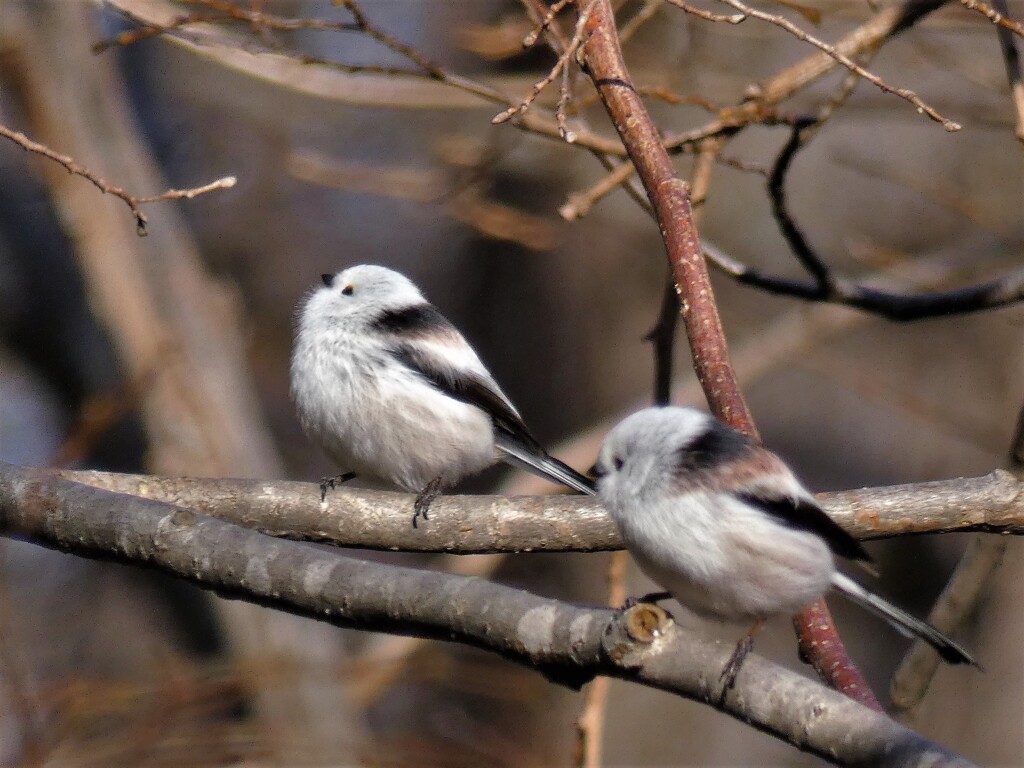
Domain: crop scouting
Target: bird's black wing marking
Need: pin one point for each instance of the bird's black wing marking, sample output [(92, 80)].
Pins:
[(414, 321), (805, 515), (711, 448), (467, 388)]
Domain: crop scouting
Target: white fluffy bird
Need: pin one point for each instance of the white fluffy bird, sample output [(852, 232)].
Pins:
[(723, 525), (390, 389)]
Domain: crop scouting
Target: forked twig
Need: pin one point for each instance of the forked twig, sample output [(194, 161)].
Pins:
[(133, 202), (846, 61), (563, 62), (545, 24)]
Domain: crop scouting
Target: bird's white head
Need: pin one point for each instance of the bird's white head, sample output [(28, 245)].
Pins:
[(645, 453), (363, 291)]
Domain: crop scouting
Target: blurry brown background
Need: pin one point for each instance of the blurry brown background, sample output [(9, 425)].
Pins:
[(103, 332)]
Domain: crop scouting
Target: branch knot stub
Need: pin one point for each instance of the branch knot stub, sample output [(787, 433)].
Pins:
[(633, 634), (171, 527), (646, 622)]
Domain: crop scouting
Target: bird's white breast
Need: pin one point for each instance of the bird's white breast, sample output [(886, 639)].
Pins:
[(374, 416), (723, 560)]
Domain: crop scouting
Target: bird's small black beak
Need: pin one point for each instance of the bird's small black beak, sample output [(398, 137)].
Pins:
[(596, 472), (328, 280)]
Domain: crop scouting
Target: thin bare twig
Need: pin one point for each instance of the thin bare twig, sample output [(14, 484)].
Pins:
[(734, 18), (262, 22), (777, 194), (886, 23), (187, 194), (579, 203), (564, 99), (662, 337), (146, 31), (564, 61), (998, 15), (842, 94), (846, 61), (133, 202), (545, 24), (865, 38)]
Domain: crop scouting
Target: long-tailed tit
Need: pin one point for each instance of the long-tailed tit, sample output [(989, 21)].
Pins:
[(390, 389), (723, 525)]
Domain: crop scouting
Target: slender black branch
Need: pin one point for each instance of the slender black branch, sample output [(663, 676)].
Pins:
[(663, 337), (568, 643), (827, 287), (892, 305), (777, 194)]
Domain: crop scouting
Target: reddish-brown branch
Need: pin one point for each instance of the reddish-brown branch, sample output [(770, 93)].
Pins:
[(671, 201), (819, 641)]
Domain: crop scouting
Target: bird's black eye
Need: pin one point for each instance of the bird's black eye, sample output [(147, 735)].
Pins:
[(617, 463), (348, 290), (328, 280)]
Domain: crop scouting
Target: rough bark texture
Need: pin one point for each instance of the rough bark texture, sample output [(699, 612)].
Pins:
[(355, 517), (569, 643)]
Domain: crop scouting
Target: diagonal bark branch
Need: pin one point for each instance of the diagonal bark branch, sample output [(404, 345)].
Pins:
[(569, 643), (670, 198)]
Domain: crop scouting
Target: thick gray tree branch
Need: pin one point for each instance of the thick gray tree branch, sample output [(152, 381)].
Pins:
[(355, 517), (569, 643)]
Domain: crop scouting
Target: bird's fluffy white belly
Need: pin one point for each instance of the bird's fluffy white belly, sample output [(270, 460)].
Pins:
[(382, 430), (752, 568)]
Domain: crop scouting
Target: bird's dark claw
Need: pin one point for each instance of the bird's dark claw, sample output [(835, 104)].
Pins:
[(733, 666), (330, 482), (424, 499), (735, 662)]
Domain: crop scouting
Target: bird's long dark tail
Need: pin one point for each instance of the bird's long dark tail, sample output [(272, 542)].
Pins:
[(545, 466), (902, 621)]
